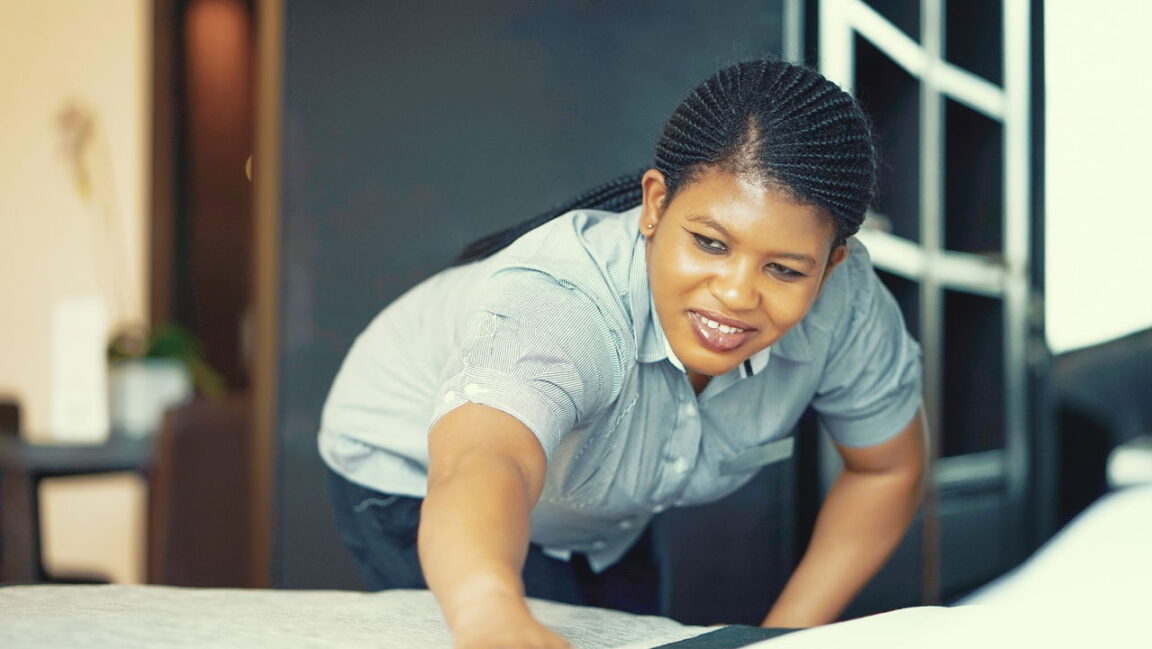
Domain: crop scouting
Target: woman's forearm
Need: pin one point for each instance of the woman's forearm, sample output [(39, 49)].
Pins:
[(473, 536), (862, 520), (486, 471)]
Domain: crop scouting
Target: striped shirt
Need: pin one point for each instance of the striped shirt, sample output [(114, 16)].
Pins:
[(559, 330)]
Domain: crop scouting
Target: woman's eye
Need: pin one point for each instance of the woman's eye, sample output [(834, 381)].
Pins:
[(784, 272), (709, 245)]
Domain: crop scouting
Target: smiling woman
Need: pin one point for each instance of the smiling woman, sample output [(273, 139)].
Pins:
[(733, 266), (510, 426)]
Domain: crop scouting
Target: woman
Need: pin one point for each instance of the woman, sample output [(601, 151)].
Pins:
[(525, 413)]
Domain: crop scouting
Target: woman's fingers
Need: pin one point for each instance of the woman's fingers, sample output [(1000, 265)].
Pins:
[(526, 636)]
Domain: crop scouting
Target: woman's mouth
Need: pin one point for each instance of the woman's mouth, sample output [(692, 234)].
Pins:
[(719, 335)]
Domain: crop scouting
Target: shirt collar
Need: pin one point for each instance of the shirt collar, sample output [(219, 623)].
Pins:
[(650, 343)]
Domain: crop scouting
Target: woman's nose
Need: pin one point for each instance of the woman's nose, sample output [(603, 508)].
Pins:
[(734, 286)]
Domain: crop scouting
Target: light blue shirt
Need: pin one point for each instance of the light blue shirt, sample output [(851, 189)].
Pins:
[(559, 330)]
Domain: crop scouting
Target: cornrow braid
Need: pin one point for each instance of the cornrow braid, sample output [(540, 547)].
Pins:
[(781, 124)]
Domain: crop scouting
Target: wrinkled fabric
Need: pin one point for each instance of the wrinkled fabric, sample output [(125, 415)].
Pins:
[(150, 617)]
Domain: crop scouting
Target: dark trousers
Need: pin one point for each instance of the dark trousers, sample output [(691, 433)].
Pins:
[(380, 530)]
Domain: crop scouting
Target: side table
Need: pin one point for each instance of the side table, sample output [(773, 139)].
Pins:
[(23, 465)]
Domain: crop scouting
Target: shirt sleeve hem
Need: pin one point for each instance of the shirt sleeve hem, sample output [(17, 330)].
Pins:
[(876, 429), (518, 398)]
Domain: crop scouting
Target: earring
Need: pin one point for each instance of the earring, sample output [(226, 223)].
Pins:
[(650, 226)]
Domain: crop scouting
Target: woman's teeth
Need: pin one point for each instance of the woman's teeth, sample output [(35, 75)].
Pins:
[(712, 324)]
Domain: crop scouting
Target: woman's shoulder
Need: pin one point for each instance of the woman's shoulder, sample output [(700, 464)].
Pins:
[(590, 252), (853, 299), (577, 240)]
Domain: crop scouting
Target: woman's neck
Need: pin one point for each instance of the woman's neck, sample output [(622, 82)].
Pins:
[(699, 381)]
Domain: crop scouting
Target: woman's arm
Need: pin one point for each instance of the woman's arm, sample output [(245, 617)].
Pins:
[(862, 520), (486, 471)]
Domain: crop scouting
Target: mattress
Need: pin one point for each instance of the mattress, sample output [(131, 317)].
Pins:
[(1090, 586)]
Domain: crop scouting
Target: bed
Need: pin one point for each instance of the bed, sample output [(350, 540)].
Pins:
[(1091, 585)]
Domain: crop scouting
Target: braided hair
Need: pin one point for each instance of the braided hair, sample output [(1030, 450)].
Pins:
[(781, 124)]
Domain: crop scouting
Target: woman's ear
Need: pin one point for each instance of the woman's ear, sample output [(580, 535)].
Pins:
[(838, 254), (654, 193)]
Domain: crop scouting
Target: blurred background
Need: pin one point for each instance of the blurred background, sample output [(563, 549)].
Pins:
[(202, 203)]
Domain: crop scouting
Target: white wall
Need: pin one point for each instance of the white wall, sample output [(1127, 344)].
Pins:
[(54, 244), (1099, 139)]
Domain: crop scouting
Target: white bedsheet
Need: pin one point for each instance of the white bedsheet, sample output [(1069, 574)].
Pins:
[(1100, 563), (1089, 587)]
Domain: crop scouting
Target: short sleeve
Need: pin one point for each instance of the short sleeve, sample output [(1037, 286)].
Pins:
[(536, 349), (872, 383)]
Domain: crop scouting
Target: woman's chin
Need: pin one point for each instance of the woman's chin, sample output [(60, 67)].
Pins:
[(712, 368), (701, 360)]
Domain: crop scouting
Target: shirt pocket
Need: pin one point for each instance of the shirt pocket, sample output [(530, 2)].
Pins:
[(753, 458)]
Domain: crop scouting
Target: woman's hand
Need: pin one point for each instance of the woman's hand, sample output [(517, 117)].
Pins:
[(503, 625), (862, 520)]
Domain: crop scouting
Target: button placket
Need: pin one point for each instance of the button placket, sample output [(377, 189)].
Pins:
[(681, 445)]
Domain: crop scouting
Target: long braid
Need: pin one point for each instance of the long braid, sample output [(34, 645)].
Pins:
[(617, 195), (776, 122)]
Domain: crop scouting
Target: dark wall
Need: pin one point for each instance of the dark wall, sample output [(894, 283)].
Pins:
[(411, 128)]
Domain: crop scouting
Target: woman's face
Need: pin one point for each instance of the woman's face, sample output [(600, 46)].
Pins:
[(733, 266)]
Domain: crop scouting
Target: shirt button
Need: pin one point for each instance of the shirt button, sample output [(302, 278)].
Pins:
[(688, 411), (598, 545), (680, 465), (658, 508), (627, 525)]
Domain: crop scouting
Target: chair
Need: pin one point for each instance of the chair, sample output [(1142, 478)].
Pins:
[(198, 505), (1102, 397), (9, 417)]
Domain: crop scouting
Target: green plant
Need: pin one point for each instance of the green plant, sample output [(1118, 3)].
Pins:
[(174, 342)]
